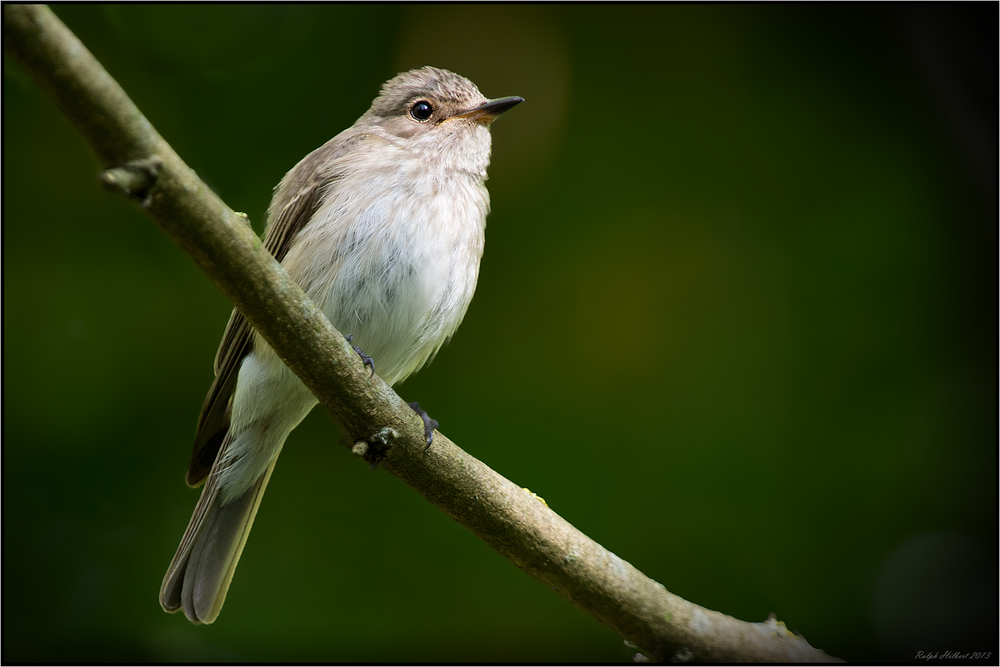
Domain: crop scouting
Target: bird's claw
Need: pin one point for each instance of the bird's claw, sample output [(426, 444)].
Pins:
[(429, 424), (365, 359)]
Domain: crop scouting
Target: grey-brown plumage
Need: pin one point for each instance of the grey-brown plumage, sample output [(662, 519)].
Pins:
[(383, 228)]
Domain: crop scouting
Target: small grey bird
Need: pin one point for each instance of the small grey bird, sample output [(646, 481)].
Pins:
[(383, 227)]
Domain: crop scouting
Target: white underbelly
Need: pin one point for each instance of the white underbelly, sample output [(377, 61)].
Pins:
[(401, 271)]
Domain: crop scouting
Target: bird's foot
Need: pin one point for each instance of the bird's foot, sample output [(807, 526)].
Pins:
[(365, 359), (429, 424)]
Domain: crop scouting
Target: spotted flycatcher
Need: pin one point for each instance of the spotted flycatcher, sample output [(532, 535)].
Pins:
[(383, 227)]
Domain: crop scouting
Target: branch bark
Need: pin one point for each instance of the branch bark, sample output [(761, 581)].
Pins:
[(510, 519)]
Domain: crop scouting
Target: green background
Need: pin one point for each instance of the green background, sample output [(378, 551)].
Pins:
[(736, 321)]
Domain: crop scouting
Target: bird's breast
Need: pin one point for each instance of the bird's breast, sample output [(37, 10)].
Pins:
[(392, 257)]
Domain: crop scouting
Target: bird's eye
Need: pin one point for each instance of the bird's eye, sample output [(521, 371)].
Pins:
[(422, 110)]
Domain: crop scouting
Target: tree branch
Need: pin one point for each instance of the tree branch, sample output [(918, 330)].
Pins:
[(510, 519)]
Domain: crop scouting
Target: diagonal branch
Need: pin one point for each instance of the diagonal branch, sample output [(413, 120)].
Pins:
[(510, 519)]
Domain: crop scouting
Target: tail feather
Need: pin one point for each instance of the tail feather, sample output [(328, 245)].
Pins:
[(199, 575)]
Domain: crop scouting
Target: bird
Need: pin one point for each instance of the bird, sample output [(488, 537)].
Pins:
[(383, 227)]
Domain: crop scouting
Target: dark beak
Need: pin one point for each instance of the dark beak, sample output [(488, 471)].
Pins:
[(490, 110)]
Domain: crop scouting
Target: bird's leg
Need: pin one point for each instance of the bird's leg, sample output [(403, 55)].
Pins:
[(429, 424), (365, 359)]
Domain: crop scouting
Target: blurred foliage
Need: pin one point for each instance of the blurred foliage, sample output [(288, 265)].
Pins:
[(736, 321)]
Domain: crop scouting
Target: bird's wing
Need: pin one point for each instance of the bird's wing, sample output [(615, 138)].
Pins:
[(296, 200)]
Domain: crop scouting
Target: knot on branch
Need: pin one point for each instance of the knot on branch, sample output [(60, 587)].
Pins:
[(682, 655), (134, 179), (377, 446)]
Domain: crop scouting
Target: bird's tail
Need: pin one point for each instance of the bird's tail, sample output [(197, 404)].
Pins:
[(203, 567)]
